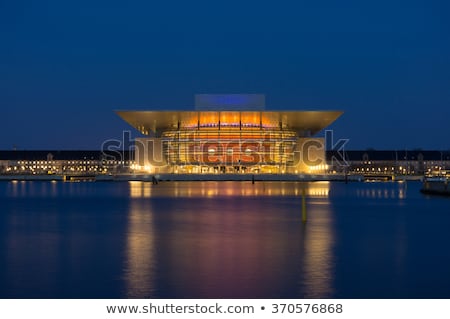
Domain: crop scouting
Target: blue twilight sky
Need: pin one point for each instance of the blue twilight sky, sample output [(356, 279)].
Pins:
[(66, 65)]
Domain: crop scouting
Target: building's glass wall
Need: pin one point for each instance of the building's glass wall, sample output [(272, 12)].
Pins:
[(231, 148)]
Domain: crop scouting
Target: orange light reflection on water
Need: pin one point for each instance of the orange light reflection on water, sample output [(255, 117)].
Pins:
[(220, 248), (140, 253), (224, 188)]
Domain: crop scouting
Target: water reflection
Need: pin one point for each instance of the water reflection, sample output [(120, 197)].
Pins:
[(140, 263), (45, 189), (212, 189), (317, 245), (213, 244), (382, 191), (173, 240)]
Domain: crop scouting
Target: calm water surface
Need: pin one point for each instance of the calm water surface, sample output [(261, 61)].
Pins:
[(222, 240)]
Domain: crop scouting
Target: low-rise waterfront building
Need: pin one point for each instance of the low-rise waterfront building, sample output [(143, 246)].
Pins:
[(67, 162), (389, 162)]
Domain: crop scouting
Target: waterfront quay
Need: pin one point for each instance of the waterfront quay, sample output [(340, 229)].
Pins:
[(92, 165)]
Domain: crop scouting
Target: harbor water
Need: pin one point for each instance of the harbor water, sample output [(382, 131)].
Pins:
[(222, 240)]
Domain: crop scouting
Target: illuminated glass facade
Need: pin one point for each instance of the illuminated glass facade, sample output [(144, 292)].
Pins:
[(226, 141)]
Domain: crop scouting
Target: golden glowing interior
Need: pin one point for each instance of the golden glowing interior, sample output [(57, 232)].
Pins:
[(229, 141)]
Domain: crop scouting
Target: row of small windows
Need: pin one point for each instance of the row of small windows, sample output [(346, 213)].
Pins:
[(72, 162)]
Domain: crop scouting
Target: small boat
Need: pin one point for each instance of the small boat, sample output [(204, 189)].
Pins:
[(436, 186)]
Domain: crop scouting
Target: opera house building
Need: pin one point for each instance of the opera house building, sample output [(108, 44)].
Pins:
[(231, 133)]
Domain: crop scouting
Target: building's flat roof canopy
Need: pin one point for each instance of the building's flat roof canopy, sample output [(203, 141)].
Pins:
[(159, 121)]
